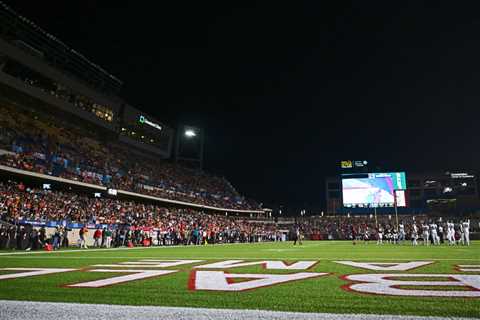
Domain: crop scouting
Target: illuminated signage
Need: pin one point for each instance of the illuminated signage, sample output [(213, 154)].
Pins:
[(400, 199), (144, 120), (346, 164), (360, 163), (461, 175)]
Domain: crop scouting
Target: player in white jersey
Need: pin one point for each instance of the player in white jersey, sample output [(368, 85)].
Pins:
[(451, 233), (380, 235), (426, 233), (466, 232), (441, 234), (462, 234), (414, 234), (452, 230), (401, 232), (434, 234)]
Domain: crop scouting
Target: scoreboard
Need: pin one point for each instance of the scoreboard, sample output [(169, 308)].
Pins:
[(381, 189)]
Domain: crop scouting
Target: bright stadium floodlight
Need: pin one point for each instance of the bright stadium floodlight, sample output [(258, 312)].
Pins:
[(190, 133)]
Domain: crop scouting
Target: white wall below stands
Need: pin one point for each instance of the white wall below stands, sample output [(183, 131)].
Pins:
[(73, 236)]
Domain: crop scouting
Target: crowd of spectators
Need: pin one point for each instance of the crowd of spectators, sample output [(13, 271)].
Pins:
[(40, 143), (123, 222), (128, 221), (367, 226)]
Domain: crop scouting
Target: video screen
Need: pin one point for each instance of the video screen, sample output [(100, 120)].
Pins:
[(372, 189)]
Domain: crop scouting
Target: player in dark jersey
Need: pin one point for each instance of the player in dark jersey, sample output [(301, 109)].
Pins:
[(353, 232)]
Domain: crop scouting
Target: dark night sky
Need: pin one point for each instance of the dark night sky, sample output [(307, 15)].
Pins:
[(285, 90)]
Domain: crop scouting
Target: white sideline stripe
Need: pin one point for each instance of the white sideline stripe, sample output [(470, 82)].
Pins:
[(107, 250), (239, 258), (326, 243), (20, 310)]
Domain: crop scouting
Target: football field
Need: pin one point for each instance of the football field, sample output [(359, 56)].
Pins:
[(317, 277)]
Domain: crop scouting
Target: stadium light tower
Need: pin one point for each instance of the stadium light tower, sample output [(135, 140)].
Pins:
[(189, 146), (189, 133)]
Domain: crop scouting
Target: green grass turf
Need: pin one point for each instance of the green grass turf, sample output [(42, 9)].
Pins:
[(322, 294)]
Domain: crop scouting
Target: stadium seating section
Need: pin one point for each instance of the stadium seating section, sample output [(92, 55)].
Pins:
[(48, 145)]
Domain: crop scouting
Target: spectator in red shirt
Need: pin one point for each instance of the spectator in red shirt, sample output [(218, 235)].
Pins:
[(97, 237)]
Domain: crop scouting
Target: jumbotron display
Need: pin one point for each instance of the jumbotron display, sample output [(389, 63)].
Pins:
[(372, 189)]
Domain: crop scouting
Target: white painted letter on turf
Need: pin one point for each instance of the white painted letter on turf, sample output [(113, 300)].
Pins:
[(148, 264), (221, 281), (267, 264), (386, 266), (382, 284), (135, 275), (30, 272)]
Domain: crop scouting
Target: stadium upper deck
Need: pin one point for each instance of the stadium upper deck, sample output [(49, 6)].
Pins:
[(26, 35), (62, 116), (37, 65)]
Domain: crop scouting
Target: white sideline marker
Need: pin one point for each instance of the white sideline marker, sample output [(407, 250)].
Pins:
[(21, 310)]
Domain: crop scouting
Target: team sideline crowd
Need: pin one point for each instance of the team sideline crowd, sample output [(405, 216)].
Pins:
[(114, 223)]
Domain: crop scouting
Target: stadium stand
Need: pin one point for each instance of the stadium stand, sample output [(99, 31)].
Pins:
[(25, 211), (40, 143), (31, 217), (62, 116), (62, 120)]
